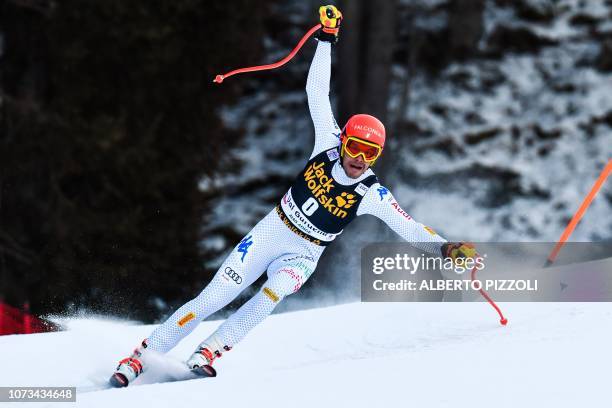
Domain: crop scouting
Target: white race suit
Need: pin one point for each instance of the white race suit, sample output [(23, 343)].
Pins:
[(288, 242)]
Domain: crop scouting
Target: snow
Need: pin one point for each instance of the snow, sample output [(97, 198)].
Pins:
[(357, 355)]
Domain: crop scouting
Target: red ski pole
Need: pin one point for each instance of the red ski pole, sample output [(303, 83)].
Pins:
[(219, 78), (484, 294)]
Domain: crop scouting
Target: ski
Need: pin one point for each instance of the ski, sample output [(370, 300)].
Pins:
[(118, 380), (204, 371)]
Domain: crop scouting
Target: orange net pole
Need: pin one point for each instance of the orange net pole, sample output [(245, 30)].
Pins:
[(580, 213)]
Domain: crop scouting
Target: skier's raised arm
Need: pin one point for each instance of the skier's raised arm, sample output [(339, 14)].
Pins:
[(327, 131)]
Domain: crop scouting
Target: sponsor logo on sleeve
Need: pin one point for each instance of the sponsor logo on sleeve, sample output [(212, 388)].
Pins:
[(431, 231), (397, 207), (382, 192)]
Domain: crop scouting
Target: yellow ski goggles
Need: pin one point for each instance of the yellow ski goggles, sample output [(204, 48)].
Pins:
[(357, 147)]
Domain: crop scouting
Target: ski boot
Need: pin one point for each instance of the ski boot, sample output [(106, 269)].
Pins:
[(202, 358), (129, 368)]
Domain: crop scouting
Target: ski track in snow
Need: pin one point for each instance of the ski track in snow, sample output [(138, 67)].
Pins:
[(358, 354)]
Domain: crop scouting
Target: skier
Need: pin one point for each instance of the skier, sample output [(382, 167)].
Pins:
[(336, 185)]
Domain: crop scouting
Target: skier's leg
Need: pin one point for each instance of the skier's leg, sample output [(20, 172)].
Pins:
[(217, 294), (285, 276), (249, 259), (244, 265)]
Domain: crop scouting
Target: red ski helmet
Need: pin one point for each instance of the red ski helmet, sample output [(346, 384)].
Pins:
[(365, 128)]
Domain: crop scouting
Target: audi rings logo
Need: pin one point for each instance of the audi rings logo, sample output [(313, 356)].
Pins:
[(233, 275)]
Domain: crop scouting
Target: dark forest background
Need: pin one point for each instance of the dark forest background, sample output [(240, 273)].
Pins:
[(110, 120)]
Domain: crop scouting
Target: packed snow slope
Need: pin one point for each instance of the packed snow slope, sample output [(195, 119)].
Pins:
[(355, 355)]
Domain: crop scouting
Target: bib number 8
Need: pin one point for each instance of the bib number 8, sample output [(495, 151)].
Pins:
[(310, 206)]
